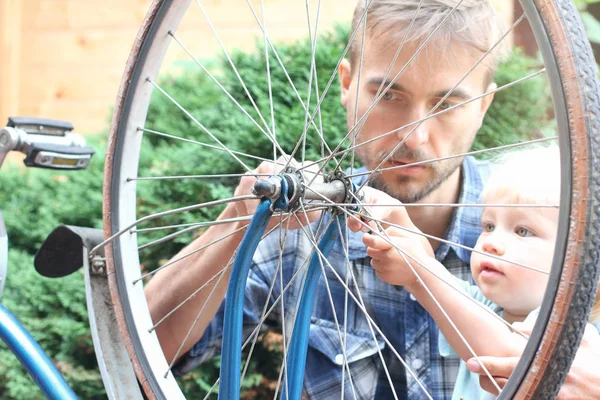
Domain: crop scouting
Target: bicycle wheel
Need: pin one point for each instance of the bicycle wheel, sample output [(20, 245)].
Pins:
[(572, 78)]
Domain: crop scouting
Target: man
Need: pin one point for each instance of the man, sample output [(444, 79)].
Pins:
[(441, 71)]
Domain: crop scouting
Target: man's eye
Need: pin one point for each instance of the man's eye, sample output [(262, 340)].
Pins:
[(488, 227), (388, 96), (444, 106), (523, 232)]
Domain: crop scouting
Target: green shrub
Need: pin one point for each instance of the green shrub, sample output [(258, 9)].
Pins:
[(35, 201)]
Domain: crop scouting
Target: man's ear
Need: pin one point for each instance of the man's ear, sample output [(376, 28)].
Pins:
[(487, 100), (345, 79)]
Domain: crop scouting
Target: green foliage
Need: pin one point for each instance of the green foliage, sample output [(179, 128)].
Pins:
[(35, 201), (592, 25), (521, 112)]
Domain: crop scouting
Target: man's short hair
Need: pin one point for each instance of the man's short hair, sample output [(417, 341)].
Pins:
[(474, 25)]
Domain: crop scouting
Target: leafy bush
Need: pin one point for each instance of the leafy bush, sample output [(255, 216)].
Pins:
[(35, 201)]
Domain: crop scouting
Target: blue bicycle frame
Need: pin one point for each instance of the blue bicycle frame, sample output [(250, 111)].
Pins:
[(33, 358), (24, 346), (229, 387)]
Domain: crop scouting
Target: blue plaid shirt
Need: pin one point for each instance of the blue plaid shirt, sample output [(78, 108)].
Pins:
[(407, 326)]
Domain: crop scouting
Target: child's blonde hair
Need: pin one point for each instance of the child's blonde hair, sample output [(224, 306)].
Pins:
[(529, 176), (526, 176)]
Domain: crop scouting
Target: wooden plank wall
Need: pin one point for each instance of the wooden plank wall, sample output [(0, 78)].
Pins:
[(64, 58)]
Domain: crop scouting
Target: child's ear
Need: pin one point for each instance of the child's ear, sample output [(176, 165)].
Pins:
[(345, 71)]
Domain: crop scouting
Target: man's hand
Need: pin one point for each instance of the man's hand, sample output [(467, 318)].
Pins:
[(582, 382), (248, 207)]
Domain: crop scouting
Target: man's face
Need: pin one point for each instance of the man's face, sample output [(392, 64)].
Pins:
[(412, 96)]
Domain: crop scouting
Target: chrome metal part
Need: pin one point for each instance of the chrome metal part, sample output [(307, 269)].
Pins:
[(270, 188)]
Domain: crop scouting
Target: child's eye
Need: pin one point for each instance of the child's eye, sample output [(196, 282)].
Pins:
[(488, 227), (523, 232)]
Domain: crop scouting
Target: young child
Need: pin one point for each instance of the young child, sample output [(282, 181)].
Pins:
[(510, 264)]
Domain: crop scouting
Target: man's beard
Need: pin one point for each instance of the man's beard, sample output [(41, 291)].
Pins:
[(401, 188)]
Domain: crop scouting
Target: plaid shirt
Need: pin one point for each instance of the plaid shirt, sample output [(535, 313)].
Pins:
[(407, 326)]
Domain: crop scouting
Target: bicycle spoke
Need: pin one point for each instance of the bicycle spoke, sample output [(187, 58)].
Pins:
[(412, 124), (260, 25), (215, 176), (480, 305), (312, 72), (269, 86), (265, 307), (183, 232), (195, 322), (173, 261), (385, 339), (469, 153), (235, 70), (203, 307), (403, 254), (190, 116), (448, 94), (283, 332), (386, 75), (268, 134), (193, 224), (338, 153), (290, 82), (453, 205), (211, 146), (194, 252), (311, 238), (348, 268), (218, 274), (451, 243), (417, 52), (256, 330), (349, 214), (171, 212), (320, 132), (362, 303), (358, 78)]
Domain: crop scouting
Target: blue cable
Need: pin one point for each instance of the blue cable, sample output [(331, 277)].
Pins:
[(296, 360)]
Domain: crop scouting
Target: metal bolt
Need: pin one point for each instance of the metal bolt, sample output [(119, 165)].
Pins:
[(4, 138), (98, 266)]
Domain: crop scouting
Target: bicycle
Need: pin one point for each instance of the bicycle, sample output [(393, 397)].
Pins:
[(570, 68), (572, 75)]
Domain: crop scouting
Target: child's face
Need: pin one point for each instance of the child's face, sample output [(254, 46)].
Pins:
[(523, 235)]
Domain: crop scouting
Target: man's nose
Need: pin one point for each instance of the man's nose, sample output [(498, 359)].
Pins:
[(416, 132)]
